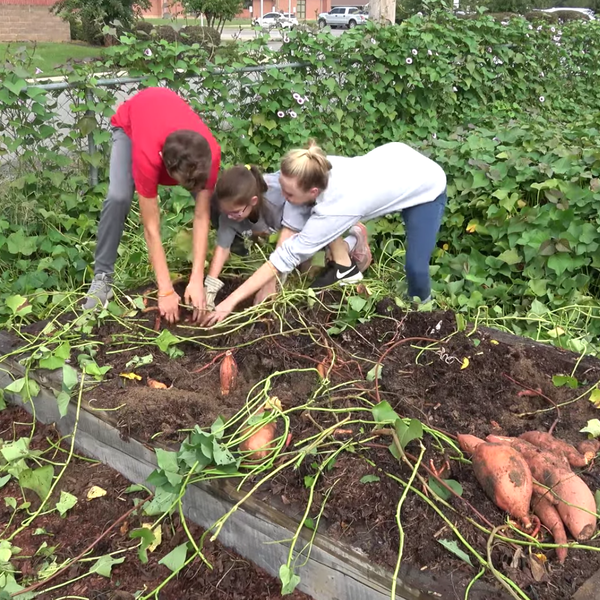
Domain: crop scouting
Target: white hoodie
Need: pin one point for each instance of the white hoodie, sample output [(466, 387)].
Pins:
[(388, 179)]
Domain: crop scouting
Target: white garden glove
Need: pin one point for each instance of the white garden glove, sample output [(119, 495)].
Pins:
[(212, 286)]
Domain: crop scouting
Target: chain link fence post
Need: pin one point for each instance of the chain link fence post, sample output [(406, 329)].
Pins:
[(93, 175)]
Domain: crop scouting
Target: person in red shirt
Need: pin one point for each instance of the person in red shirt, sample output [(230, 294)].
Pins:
[(157, 140)]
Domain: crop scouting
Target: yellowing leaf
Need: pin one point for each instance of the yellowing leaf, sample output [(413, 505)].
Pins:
[(446, 247), (95, 492), (494, 342), (595, 397), (465, 363), (132, 376), (556, 332), (521, 204), (472, 227), (157, 533), (273, 403), (541, 557)]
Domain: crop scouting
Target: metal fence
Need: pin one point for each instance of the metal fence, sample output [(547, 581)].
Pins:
[(70, 120)]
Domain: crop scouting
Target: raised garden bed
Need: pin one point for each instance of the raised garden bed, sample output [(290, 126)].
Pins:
[(356, 489)]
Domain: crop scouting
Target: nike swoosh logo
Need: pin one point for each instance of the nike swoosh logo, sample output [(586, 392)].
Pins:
[(341, 275)]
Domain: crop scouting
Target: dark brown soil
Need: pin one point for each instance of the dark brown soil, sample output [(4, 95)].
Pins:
[(231, 578), (428, 385)]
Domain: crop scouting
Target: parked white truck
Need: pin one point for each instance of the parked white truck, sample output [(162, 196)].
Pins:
[(343, 16)]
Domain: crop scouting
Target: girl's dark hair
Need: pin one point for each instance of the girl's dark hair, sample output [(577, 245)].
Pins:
[(187, 157), (238, 185)]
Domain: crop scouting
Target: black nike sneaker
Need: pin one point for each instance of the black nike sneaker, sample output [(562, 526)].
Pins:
[(334, 273)]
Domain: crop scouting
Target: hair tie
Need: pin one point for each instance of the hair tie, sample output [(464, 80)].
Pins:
[(249, 167)]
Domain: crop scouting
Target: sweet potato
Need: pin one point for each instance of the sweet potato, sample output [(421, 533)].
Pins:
[(259, 444), (575, 496), (468, 443), (548, 442), (503, 474), (228, 373), (571, 492), (549, 517), (589, 448)]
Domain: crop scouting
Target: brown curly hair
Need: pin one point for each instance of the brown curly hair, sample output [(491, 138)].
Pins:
[(188, 159)]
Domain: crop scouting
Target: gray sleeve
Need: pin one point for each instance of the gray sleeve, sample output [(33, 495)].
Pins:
[(226, 232), (295, 217), (319, 231)]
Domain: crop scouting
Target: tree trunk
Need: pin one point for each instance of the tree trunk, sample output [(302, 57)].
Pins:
[(383, 11)]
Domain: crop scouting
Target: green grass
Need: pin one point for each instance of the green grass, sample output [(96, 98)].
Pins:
[(47, 55)]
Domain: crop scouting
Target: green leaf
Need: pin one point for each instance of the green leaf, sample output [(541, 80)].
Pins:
[(103, 566), (597, 497), (139, 361), (441, 491), (357, 303), (175, 559), (4, 480), (67, 502), (38, 480), (2, 400), (14, 451), (221, 455), (146, 536), (592, 428), (309, 522), (167, 460), (562, 380), (62, 400), (510, 257), (161, 503), (375, 373), (70, 378), (10, 502), (165, 339), (408, 433), (16, 387), (18, 304), (454, 548), (289, 580), (384, 413), (369, 479)]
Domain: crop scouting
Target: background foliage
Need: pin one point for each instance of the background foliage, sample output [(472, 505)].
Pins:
[(508, 108)]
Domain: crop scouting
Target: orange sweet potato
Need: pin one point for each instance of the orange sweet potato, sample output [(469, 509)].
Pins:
[(468, 443), (546, 441), (259, 444), (589, 448), (576, 504), (503, 474), (549, 517), (573, 496)]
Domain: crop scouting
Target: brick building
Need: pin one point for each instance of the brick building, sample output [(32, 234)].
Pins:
[(303, 9), (31, 21)]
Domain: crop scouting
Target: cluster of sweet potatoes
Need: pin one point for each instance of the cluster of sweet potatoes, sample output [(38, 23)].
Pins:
[(534, 471)]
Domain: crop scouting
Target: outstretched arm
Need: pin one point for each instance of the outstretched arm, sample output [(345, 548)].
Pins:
[(168, 299)]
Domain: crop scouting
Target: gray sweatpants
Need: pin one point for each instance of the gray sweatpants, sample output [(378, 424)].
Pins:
[(116, 205)]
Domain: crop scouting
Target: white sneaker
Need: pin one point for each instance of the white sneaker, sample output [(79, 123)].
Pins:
[(100, 291)]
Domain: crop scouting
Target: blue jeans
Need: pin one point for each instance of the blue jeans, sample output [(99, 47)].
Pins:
[(422, 223)]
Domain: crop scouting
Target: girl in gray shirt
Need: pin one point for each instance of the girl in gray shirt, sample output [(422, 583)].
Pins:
[(253, 205)]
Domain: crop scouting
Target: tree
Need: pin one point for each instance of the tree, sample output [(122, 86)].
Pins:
[(217, 12), (92, 15)]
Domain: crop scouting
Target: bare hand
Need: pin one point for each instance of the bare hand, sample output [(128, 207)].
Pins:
[(223, 310), (194, 296), (168, 307), (269, 289)]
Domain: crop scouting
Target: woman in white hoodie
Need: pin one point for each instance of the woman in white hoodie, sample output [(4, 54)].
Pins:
[(343, 191)]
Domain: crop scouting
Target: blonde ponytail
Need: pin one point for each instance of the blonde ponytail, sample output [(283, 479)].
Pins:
[(309, 166)]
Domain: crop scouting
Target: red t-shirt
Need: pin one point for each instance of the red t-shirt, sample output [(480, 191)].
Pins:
[(148, 118)]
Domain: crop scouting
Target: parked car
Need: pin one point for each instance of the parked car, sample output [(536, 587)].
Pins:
[(276, 19), (343, 16)]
